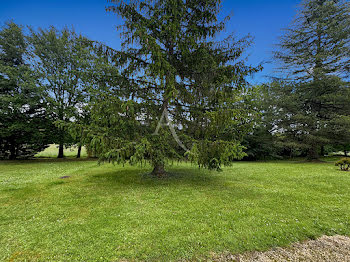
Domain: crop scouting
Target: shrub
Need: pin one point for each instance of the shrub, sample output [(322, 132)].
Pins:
[(344, 164)]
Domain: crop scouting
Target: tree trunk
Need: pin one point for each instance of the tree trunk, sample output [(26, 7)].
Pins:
[(60, 150), (61, 134), (159, 171), (88, 151), (13, 154), (345, 153), (79, 151), (322, 151), (313, 153), (94, 152)]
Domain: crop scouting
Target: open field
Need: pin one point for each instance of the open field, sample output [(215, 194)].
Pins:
[(109, 213), (52, 152)]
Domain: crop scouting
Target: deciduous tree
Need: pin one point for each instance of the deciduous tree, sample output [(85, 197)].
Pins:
[(24, 124), (64, 61)]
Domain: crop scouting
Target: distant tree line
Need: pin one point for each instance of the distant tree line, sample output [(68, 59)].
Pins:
[(45, 77), (60, 87), (306, 112)]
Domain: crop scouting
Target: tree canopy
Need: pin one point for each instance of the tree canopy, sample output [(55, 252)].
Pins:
[(64, 62), (171, 62), (24, 124), (177, 88), (314, 97)]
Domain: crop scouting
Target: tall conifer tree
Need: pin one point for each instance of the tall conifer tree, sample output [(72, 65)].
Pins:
[(172, 68), (315, 56)]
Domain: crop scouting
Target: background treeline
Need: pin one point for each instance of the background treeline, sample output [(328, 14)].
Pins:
[(306, 112), (46, 76), (57, 86)]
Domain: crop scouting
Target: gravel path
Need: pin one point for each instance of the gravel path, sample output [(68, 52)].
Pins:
[(324, 249)]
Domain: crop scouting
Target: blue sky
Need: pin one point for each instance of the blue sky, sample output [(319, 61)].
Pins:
[(263, 19)]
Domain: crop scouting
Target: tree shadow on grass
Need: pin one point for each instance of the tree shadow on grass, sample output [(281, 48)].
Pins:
[(181, 179), (184, 184)]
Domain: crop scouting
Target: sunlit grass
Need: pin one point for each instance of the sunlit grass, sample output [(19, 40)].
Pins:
[(52, 152), (108, 213)]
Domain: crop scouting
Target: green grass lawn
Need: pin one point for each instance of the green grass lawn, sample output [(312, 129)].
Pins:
[(52, 152), (109, 213)]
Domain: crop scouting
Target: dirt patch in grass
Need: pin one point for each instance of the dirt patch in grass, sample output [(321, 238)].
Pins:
[(326, 248), (64, 177)]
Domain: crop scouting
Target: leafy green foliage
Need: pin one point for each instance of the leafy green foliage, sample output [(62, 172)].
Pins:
[(344, 164), (171, 61), (64, 62), (316, 43), (213, 155), (263, 141), (24, 124), (313, 103)]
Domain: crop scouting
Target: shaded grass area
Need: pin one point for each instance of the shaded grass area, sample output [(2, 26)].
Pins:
[(52, 152), (108, 213)]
